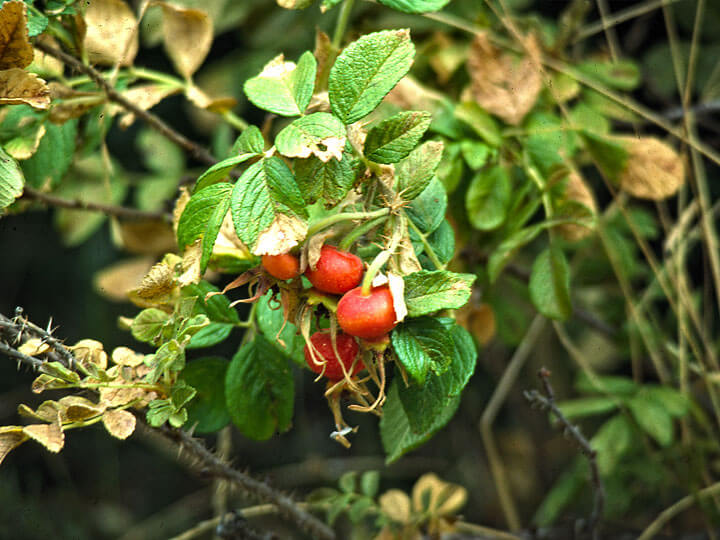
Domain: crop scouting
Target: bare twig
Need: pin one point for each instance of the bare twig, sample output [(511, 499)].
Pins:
[(77, 204), (194, 149), (249, 485), (548, 402)]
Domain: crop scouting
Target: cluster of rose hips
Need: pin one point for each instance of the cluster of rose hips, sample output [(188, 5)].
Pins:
[(368, 316)]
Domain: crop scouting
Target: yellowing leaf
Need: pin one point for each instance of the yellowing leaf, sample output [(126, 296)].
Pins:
[(68, 103), (15, 48), (10, 437), (438, 498), (654, 170), (18, 86), (120, 424), (503, 84), (34, 347), (112, 32), (284, 233), (157, 286), (213, 104), (578, 191), (117, 280), (180, 204), (146, 237), (51, 436), (77, 408), (90, 351), (124, 356), (145, 96), (395, 504), (188, 35), (191, 264), (25, 147)]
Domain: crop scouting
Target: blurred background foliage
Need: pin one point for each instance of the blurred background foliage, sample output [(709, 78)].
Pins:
[(101, 488)]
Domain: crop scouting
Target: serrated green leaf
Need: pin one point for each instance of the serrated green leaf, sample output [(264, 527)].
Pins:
[(583, 407), (422, 345), (265, 189), (488, 198), (610, 156), (207, 412), (53, 157), (203, 217), (442, 242), (282, 87), (427, 292), (259, 390), (652, 417), (395, 137), (223, 317), (397, 436), (484, 125), (427, 210), (414, 173), (282, 334), (36, 23), (416, 6), (329, 180), (366, 71), (148, 325), (320, 134), (180, 394), (562, 493), (11, 180), (220, 171), (550, 284), (249, 141), (450, 170)]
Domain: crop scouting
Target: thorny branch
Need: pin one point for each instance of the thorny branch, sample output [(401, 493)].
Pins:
[(152, 120), (19, 329), (547, 402)]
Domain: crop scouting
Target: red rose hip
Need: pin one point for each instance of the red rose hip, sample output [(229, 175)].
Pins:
[(336, 271), (368, 317), (284, 266), (325, 357)]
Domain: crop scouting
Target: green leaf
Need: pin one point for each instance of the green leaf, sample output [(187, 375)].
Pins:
[(450, 170), (36, 23), (582, 407), (51, 161), (207, 411), (320, 134), (11, 180), (259, 390), (549, 143), (442, 241), (480, 121), (605, 384), (550, 284), (282, 334), (621, 74), (508, 247), (427, 210), (159, 154), (563, 492), (148, 325), (369, 483), (347, 482), (181, 393), (475, 153), (611, 441), (366, 71), (488, 197), (249, 141), (610, 156), (223, 317), (330, 180), (395, 137), (414, 173), (397, 436), (265, 189), (427, 292), (416, 6), (652, 417), (203, 217), (220, 171), (422, 345), (675, 402), (283, 87)]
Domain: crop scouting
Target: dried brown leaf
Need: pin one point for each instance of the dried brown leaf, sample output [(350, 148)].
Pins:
[(283, 234), (34, 347), (410, 94), (77, 408), (51, 436), (396, 284), (146, 237), (18, 86), (116, 281), (180, 204), (654, 170), (502, 83), (120, 424), (112, 32), (190, 272), (68, 103), (10, 438), (145, 96), (577, 190), (188, 35), (90, 351), (323, 51), (15, 48)]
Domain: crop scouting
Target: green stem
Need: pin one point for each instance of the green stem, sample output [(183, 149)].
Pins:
[(357, 232), (342, 23), (152, 75), (235, 121), (428, 248), (398, 228), (344, 216)]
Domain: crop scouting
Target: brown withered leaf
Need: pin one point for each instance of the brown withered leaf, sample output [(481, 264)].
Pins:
[(654, 170), (116, 281), (77, 408), (322, 53), (15, 48), (283, 234), (112, 32), (180, 204), (187, 35), (10, 438), (120, 424), (190, 272), (46, 412), (502, 83), (145, 96), (157, 287), (68, 103), (202, 100), (18, 86), (577, 190), (51, 436), (410, 94), (34, 347), (90, 351)]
